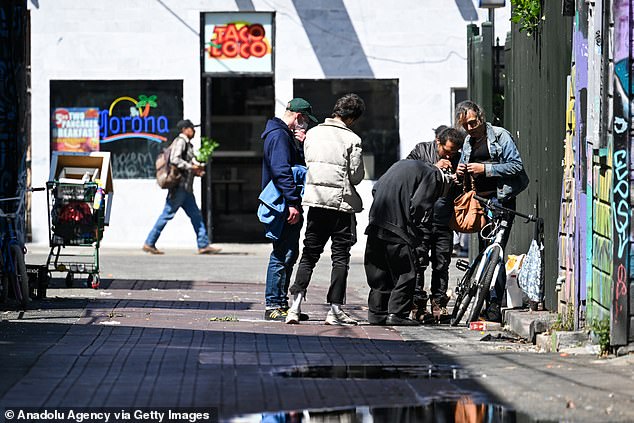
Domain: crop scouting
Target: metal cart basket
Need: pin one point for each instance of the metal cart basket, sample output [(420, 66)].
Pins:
[(75, 219)]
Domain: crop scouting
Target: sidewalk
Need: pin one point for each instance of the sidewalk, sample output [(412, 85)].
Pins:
[(187, 330)]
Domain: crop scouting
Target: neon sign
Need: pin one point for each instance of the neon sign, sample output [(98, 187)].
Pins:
[(238, 42), (139, 124), (238, 39)]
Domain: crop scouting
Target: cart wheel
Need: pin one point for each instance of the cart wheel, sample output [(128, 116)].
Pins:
[(69, 280), (94, 281)]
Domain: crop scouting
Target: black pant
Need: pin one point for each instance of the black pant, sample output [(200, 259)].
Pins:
[(321, 225), (438, 241), (391, 275)]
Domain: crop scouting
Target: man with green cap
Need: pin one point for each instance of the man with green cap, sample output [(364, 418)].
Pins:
[(281, 153)]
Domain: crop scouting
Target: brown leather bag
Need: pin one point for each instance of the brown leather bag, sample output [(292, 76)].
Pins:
[(468, 213)]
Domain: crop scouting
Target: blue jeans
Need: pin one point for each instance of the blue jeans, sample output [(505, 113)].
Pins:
[(175, 200), (278, 274)]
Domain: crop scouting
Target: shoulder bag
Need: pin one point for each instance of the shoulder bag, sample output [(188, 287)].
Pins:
[(468, 213)]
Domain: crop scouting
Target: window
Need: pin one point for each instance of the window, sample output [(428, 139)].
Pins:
[(378, 127), (458, 95)]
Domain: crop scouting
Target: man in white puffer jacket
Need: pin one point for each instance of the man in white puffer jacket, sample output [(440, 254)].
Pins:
[(335, 165)]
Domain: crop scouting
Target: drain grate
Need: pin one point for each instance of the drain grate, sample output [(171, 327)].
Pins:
[(375, 372)]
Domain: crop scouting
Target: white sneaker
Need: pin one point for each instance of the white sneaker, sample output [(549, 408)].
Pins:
[(292, 316), (339, 318)]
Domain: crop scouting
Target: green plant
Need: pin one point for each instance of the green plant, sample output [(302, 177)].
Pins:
[(527, 14), (601, 329), (207, 147), (565, 321)]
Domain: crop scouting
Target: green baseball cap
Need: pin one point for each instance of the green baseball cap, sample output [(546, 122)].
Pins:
[(299, 105)]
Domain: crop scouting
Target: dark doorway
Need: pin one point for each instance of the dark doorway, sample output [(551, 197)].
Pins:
[(235, 111), (378, 127)]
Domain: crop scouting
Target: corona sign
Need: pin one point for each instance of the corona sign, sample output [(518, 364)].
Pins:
[(238, 42)]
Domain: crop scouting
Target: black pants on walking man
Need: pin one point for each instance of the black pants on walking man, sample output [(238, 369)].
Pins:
[(391, 273), (324, 224)]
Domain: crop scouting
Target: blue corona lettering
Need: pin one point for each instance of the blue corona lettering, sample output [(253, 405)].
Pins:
[(162, 125), (137, 124), (150, 124), (112, 126)]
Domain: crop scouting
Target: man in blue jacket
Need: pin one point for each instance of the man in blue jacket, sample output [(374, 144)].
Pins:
[(281, 153)]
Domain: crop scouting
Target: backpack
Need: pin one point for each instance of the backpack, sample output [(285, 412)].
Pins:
[(168, 176)]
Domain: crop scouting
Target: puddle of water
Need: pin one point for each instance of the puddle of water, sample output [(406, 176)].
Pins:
[(375, 372), (462, 410)]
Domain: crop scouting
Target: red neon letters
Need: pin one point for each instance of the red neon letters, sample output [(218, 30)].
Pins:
[(231, 42)]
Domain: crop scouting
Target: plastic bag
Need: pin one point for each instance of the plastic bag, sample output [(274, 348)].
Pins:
[(515, 297), (529, 277)]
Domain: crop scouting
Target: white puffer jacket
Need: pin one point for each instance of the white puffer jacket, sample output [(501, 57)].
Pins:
[(335, 165)]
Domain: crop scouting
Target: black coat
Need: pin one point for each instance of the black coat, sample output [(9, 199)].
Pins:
[(403, 201), (428, 153)]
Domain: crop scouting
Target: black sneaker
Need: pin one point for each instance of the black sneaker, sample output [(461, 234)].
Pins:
[(492, 313), (275, 314)]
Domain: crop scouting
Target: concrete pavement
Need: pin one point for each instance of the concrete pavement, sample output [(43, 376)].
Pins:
[(184, 330)]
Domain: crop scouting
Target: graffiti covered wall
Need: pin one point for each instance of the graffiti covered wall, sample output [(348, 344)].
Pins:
[(566, 284), (621, 128)]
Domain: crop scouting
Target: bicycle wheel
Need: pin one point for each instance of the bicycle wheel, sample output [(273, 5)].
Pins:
[(19, 277), (465, 294), (484, 284)]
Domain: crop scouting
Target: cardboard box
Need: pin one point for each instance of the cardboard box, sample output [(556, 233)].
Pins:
[(62, 161), (73, 166), (78, 175)]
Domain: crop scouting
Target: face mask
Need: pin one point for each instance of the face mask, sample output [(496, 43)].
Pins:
[(303, 125)]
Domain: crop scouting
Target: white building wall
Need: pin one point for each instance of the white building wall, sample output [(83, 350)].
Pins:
[(422, 43)]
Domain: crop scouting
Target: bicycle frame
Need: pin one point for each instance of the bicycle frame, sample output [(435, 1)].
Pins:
[(475, 280)]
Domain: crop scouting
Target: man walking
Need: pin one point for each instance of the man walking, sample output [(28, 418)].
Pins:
[(335, 165), (491, 158), (182, 155), (403, 204), (281, 153), (444, 153)]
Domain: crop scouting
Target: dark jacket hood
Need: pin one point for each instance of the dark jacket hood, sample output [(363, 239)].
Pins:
[(274, 124)]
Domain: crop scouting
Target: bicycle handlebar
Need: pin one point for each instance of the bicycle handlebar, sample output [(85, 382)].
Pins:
[(487, 202), (20, 204)]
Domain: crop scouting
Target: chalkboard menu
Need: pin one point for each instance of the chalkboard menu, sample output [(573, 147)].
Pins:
[(135, 119)]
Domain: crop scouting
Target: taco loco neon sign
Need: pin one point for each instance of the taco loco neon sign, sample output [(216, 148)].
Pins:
[(139, 123), (238, 42)]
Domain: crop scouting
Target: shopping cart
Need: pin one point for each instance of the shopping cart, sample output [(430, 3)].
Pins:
[(76, 220)]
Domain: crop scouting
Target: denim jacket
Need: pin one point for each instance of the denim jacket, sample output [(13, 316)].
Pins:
[(506, 166)]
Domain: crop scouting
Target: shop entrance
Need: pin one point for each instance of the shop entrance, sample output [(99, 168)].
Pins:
[(235, 111)]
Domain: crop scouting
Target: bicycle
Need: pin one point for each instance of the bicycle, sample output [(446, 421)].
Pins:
[(12, 251), (484, 270)]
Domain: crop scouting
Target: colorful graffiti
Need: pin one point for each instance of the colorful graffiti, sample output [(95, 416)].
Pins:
[(567, 248), (579, 246), (619, 313)]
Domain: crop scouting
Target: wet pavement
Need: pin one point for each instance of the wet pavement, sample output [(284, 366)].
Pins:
[(183, 330)]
